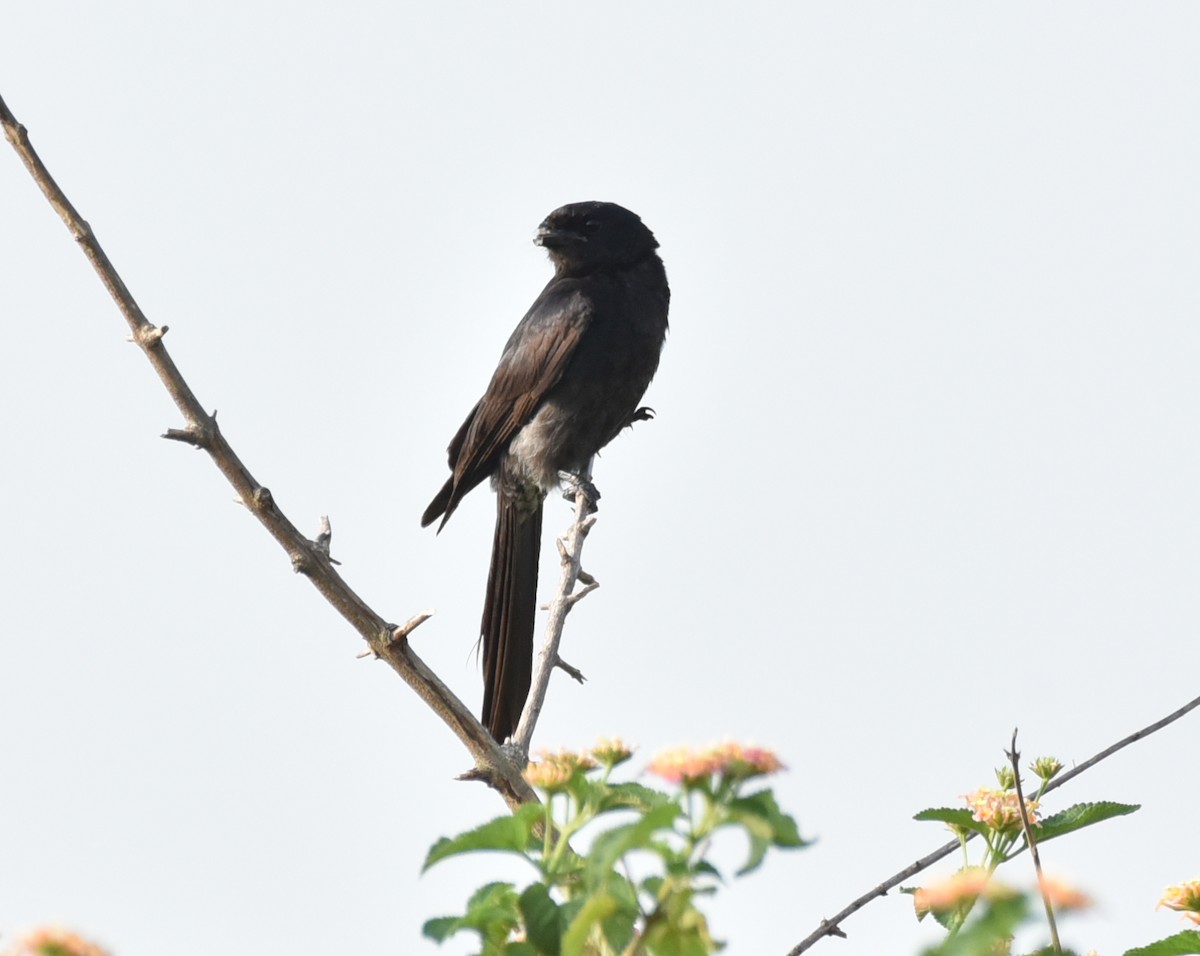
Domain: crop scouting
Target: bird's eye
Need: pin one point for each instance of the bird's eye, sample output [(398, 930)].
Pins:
[(591, 227)]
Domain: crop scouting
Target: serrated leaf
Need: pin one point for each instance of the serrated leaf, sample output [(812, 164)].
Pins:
[(979, 937), (585, 790), (441, 928), (618, 928), (491, 912), (955, 816), (543, 924), (946, 919), (684, 931), (1079, 816), (599, 907), (680, 944), (632, 796), (509, 834), (784, 831), (765, 825), (1181, 944), (613, 844)]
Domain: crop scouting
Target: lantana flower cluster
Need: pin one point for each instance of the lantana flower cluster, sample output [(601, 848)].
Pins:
[(55, 939), (961, 888), (555, 769), (1183, 898), (730, 760), (999, 810)]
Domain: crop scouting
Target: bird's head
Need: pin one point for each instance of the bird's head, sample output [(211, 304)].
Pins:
[(588, 236)]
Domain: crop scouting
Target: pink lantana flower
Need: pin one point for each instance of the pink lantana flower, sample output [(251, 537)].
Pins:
[(998, 809)]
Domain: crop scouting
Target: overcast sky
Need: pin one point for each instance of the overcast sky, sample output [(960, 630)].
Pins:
[(925, 465)]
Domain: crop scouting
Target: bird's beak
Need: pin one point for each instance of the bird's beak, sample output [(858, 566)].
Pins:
[(551, 238)]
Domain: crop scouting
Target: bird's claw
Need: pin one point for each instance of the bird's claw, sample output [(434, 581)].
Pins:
[(573, 484)]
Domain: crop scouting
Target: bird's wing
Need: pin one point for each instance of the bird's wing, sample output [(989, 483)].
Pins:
[(534, 359)]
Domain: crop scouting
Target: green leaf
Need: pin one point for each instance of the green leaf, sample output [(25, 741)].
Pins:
[(521, 948), (441, 928), (630, 796), (491, 912), (1079, 816), (979, 937), (510, 834), (585, 791), (1181, 944), (955, 816), (613, 844), (618, 928), (1051, 951), (765, 825), (599, 907), (691, 943), (543, 924), (683, 932)]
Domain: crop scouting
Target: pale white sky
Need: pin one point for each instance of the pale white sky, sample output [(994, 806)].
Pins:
[(925, 466)]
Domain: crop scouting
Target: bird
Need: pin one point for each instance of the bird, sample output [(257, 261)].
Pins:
[(568, 381)]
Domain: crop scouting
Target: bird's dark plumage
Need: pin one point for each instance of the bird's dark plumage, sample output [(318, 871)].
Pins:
[(569, 379)]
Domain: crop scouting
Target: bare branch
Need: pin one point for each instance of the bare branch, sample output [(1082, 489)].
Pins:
[(570, 551), (308, 558), (831, 927)]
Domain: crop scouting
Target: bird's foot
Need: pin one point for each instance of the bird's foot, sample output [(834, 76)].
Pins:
[(643, 414), (573, 484)]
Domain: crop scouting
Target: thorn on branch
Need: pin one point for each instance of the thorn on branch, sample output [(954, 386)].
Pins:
[(198, 434), (573, 672), (324, 539), (573, 599), (401, 633), (188, 436), (832, 929), (148, 335), (481, 774)]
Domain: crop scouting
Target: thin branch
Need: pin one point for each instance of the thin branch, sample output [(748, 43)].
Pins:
[(1014, 758), (570, 551), (1121, 744), (832, 927), (573, 672), (308, 558)]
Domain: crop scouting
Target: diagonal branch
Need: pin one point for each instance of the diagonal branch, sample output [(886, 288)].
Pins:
[(832, 927), (308, 558)]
